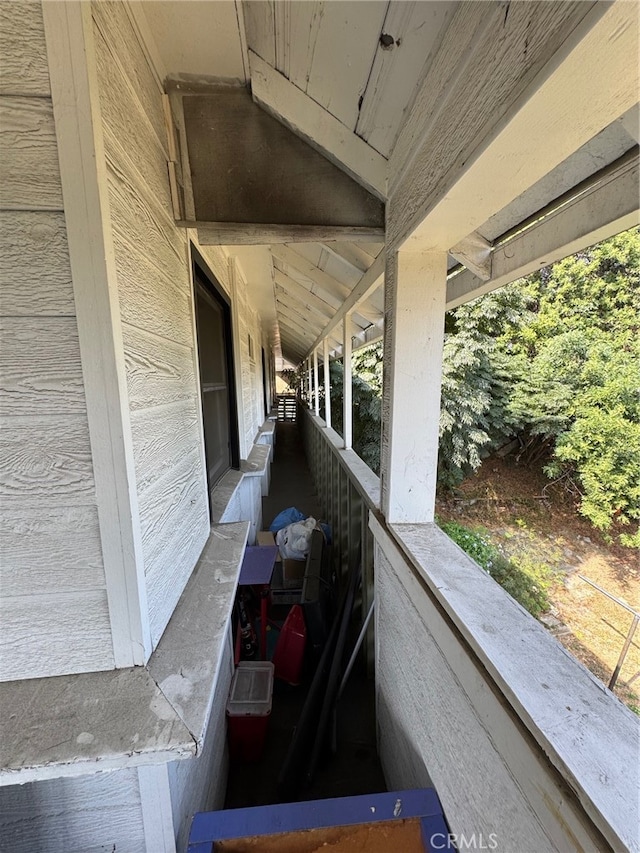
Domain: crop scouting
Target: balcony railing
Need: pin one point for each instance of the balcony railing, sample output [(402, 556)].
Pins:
[(527, 749)]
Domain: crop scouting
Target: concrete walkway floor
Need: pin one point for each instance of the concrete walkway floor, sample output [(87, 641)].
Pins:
[(355, 768)]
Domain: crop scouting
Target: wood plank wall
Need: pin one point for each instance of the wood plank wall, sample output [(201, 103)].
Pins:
[(154, 289), (53, 606), (156, 305), (88, 813)]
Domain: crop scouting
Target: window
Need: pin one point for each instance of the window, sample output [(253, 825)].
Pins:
[(213, 323)]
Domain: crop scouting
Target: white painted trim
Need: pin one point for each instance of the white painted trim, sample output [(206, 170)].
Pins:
[(310, 372), (316, 396), (155, 804), (367, 284), (237, 354), (327, 383), (417, 337), (587, 84), (242, 31), (135, 10), (313, 123), (74, 86), (347, 389), (475, 253), (608, 209)]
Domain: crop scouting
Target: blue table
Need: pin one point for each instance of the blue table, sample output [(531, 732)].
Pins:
[(209, 827)]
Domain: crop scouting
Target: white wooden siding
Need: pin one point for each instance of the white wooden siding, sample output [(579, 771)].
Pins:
[(154, 288), (73, 815), (29, 170), (53, 608), (23, 61)]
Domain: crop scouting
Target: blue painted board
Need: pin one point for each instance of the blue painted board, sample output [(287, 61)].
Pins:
[(257, 564), (209, 827)]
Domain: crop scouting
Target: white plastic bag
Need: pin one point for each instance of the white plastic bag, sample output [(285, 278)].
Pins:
[(294, 539)]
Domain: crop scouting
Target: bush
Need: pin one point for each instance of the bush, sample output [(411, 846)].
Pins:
[(526, 581)]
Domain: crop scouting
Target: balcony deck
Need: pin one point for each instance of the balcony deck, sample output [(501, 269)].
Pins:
[(355, 768)]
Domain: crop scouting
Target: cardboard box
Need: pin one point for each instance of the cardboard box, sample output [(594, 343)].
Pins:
[(265, 537), (293, 573)]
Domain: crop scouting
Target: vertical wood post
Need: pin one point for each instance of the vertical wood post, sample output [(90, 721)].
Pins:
[(310, 375), (327, 384), (415, 298), (347, 401), (316, 398)]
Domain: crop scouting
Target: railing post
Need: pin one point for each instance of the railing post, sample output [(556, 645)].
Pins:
[(327, 384), (347, 403), (415, 298), (316, 398)]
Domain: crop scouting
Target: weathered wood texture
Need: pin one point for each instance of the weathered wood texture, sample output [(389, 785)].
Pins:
[(53, 604), (35, 276), (23, 62), (40, 366), (485, 61), (29, 170), (298, 186), (67, 632), (489, 691), (154, 288), (50, 552), (106, 816)]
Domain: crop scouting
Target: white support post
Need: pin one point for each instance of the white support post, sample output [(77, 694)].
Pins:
[(310, 375), (327, 384), (347, 402), (412, 400), (316, 397)]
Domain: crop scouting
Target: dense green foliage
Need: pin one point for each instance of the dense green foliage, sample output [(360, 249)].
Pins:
[(553, 360), (525, 581)]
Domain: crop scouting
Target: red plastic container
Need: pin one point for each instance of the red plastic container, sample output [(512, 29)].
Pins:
[(288, 656), (249, 708)]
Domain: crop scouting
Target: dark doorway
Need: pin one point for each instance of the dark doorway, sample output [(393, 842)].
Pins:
[(267, 407), (215, 352)]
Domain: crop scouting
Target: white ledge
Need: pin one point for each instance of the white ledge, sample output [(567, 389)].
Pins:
[(258, 461), (75, 724), (585, 731)]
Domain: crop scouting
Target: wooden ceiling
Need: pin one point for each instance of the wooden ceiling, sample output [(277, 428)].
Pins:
[(311, 283)]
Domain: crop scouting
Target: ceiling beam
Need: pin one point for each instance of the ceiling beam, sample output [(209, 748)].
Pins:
[(328, 283), (474, 252), (608, 208), (303, 294), (260, 234), (287, 329), (286, 299), (369, 282), (350, 255), (305, 325), (580, 74), (317, 126)]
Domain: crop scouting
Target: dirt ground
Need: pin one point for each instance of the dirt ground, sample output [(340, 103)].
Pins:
[(526, 515)]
